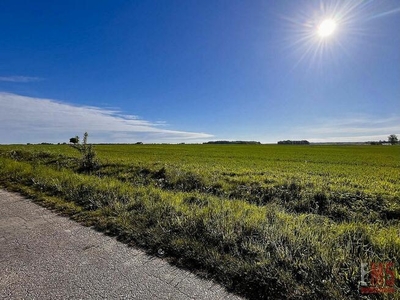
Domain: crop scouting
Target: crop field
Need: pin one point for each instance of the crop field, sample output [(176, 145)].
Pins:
[(267, 221)]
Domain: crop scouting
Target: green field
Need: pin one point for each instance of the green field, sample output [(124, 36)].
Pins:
[(282, 221)]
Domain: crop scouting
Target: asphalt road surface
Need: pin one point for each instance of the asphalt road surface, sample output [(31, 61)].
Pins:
[(46, 256)]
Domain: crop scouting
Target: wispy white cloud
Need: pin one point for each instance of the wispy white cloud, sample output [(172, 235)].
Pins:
[(359, 128), (19, 78), (26, 119)]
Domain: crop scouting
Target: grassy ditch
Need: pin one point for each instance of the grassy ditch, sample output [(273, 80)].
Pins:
[(295, 193)]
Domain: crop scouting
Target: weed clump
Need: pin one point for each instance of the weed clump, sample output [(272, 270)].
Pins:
[(88, 161)]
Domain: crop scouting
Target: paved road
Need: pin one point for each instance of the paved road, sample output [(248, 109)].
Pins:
[(46, 256)]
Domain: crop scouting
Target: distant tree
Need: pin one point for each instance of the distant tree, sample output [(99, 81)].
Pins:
[(393, 139), (74, 140)]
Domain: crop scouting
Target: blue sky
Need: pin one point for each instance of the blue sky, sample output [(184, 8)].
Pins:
[(193, 71)]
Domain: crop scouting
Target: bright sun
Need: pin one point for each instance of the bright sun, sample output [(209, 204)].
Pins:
[(326, 28)]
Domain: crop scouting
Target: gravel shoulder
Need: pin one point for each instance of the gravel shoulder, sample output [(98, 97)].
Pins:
[(47, 256)]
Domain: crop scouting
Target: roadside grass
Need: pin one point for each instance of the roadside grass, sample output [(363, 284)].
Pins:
[(337, 191), (261, 251)]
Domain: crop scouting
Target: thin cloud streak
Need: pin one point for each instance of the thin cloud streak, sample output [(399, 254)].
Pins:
[(349, 139), (355, 129), (27, 119), (19, 79)]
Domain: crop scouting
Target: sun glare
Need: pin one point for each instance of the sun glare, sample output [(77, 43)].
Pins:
[(319, 31), (326, 28)]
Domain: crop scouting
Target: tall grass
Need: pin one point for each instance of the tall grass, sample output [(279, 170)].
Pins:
[(262, 251)]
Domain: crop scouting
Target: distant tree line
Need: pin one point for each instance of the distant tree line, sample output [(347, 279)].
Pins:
[(234, 142), (378, 142), (290, 142), (392, 139)]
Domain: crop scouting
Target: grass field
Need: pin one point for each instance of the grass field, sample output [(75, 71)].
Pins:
[(268, 221)]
